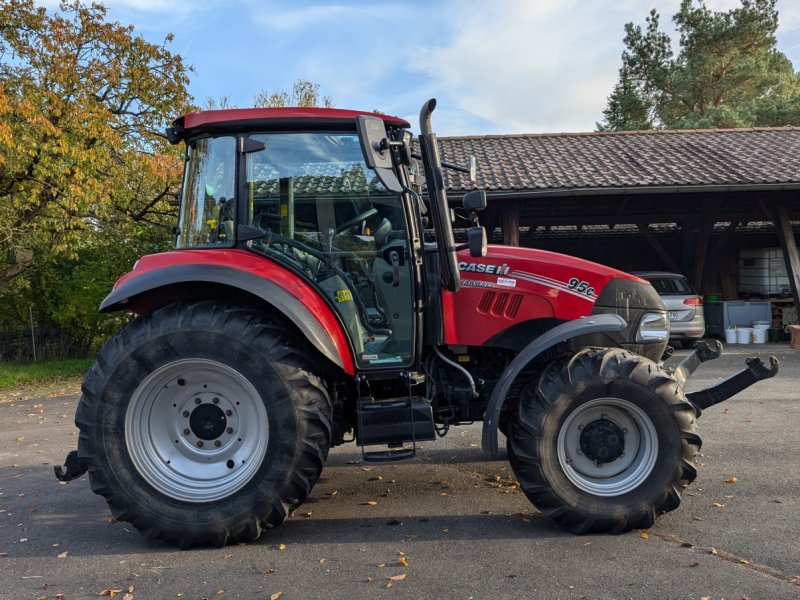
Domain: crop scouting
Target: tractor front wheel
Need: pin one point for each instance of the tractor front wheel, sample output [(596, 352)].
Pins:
[(203, 423), (603, 441)]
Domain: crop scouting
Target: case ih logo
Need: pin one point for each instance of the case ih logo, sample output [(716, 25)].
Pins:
[(483, 268)]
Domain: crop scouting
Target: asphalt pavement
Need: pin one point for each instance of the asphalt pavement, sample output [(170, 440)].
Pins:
[(447, 524)]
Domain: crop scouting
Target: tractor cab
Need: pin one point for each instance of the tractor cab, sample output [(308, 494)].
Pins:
[(308, 201)]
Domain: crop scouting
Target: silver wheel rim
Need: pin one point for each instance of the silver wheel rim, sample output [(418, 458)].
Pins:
[(196, 430), (629, 470)]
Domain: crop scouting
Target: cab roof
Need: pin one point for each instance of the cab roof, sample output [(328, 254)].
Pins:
[(284, 118)]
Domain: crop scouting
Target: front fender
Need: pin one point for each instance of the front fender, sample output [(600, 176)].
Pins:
[(147, 285), (560, 333)]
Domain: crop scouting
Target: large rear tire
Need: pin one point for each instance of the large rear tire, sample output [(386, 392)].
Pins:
[(203, 423), (603, 441)]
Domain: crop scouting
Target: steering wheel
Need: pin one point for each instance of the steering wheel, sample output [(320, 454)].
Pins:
[(356, 220)]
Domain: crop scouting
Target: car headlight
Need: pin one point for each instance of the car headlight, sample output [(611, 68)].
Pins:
[(654, 327)]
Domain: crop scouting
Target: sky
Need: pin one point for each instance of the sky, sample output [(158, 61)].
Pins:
[(494, 66)]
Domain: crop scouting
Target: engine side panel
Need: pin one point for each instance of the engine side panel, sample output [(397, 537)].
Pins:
[(514, 285)]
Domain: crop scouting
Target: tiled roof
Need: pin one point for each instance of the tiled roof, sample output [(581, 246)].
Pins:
[(640, 159)]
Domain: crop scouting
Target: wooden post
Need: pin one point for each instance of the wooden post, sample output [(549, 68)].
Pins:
[(780, 218), (658, 247), (509, 219)]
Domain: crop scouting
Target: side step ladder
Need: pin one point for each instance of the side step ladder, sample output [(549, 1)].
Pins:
[(393, 422)]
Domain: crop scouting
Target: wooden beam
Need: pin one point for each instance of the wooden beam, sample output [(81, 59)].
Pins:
[(783, 226), (509, 219), (660, 250), (710, 217)]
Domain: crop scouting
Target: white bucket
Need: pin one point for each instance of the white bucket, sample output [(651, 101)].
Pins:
[(730, 335), (762, 323), (743, 335), (760, 334)]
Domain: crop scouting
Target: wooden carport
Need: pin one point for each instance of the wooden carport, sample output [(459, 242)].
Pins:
[(689, 197)]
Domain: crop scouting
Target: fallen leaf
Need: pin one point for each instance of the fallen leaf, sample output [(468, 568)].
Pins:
[(380, 565), (369, 503), (267, 571), (717, 505), (63, 554), (276, 595), (377, 478), (713, 551), (131, 589), (705, 598), (127, 596), (744, 562), (402, 560), (334, 492), (220, 592), (443, 494), (111, 520), (281, 546), (109, 592), (645, 535), (389, 584), (322, 561), (731, 480), (61, 597), (308, 514), (397, 577)]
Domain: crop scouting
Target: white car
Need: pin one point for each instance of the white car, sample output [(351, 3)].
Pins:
[(684, 306)]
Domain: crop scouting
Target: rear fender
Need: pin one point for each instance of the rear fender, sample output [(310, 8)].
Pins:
[(560, 333), (148, 287)]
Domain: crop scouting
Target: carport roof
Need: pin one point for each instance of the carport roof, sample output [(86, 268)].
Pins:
[(634, 161)]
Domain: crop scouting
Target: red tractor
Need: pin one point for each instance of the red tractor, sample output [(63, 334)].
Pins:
[(315, 297)]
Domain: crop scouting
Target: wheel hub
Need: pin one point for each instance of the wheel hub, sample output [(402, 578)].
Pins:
[(207, 422), (602, 441), (196, 430)]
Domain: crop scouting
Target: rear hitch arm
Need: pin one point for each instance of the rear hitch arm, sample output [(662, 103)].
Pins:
[(755, 371), (704, 351), (73, 468)]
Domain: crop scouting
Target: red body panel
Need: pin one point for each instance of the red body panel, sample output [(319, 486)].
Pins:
[(260, 267), (211, 117), (521, 284)]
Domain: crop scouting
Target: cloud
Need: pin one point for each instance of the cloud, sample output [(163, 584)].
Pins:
[(523, 66)]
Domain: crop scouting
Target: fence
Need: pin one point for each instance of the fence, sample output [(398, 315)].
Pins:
[(51, 344)]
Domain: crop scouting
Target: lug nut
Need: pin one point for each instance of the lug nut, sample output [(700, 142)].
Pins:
[(218, 443), (185, 414), (199, 444), (229, 430), (197, 400), (215, 400), (229, 412), (186, 431)]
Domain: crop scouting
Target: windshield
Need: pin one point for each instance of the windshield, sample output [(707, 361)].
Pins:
[(208, 207)]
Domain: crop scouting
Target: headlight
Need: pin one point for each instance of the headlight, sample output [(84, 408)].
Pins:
[(654, 327)]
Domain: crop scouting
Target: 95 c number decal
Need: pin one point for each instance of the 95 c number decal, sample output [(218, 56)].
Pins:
[(582, 287)]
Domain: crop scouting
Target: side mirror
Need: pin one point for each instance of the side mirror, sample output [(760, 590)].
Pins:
[(475, 200), (476, 240), (376, 149)]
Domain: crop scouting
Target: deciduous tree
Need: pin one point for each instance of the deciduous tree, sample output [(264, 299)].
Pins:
[(83, 104)]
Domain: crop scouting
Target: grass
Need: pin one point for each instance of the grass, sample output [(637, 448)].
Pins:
[(14, 375)]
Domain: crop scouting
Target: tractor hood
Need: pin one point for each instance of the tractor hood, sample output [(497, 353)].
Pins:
[(513, 294)]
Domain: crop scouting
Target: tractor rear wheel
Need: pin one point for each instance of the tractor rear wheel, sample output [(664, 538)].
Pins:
[(603, 441), (203, 423)]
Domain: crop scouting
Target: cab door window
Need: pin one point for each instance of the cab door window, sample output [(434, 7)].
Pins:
[(325, 212)]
